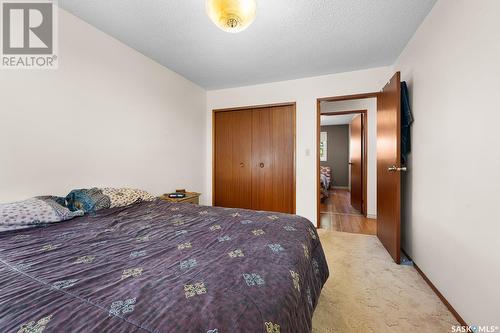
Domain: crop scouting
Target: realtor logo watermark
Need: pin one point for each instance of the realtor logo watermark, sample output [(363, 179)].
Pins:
[(28, 36)]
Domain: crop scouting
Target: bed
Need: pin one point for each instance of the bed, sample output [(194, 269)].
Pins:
[(325, 181), (162, 267)]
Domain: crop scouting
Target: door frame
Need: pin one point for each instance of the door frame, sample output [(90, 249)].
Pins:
[(365, 152), (251, 107)]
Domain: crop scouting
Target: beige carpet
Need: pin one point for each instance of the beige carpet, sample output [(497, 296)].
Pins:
[(367, 292)]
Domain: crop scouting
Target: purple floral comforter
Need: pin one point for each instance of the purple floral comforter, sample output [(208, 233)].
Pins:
[(163, 267)]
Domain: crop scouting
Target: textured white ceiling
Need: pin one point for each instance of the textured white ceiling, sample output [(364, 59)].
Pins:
[(341, 119), (289, 38)]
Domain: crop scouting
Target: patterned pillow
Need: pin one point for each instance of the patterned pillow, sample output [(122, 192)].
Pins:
[(121, 197), (87, 200), (91, 200), (34, 211)]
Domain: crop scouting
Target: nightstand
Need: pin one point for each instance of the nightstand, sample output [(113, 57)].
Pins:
[(191, 197)]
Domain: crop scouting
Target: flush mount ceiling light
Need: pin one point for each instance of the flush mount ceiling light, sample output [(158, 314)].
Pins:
[(231, 15)]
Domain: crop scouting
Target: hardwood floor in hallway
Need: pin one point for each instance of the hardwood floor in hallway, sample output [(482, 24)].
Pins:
[(336, 213)]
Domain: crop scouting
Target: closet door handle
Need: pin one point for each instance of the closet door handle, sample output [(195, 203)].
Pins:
[(242, 165), (261, 165)]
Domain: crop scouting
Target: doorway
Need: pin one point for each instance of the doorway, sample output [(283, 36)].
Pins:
[(343, 156), (346, 153), (386, 170)]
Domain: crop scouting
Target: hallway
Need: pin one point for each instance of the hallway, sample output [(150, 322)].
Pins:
[(337, 214)]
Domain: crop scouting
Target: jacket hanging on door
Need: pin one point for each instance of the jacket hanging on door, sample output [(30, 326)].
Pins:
[(406, 121)]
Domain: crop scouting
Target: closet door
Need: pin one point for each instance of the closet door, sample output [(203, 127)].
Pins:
[(232, 157), (273, 159)]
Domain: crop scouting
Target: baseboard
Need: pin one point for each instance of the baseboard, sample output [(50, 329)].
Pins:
[(340, 187), (438, 293), (371, 216)]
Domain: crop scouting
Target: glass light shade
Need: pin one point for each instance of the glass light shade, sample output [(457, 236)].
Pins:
[(231, 15)]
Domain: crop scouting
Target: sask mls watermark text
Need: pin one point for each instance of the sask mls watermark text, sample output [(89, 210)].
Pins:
[(474, 329)]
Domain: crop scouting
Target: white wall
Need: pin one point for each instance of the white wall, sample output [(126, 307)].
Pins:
[(304, 92), (108, 116), (369, 104), (452, 222)]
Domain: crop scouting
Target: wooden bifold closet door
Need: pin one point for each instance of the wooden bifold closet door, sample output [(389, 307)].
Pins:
[(233, 158), (254, 159)]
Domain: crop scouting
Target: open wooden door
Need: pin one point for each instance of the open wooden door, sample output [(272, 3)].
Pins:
[(356, 162), (388, 167)]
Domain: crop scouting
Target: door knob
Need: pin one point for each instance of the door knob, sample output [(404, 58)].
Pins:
[(261, 164), (242, 164), (395, 168)]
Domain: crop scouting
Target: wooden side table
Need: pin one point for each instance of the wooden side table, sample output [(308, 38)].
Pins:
[(191, 197)]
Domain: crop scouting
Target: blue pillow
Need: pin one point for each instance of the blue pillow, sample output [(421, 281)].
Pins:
[(87, 200)]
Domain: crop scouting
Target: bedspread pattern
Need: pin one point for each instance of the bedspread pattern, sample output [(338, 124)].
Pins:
[(163, 267)]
